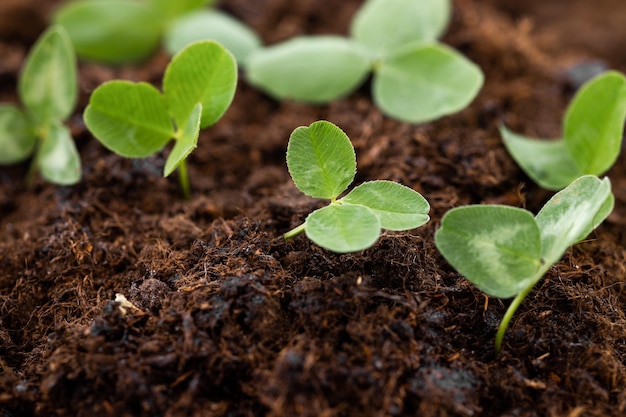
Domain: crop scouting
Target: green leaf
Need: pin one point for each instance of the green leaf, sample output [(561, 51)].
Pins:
[(128, 118), (397, 207), (382, 25), (343, 228), (547, 162), (112, 31), (58, 157), (593, 128), (169, 9), (311, 69), (497, 248), (17, 139), (187, 142), (424, 83), (321, 160), (240, 40), (572, 214), (203, 72), (48, 82), (594, 123)]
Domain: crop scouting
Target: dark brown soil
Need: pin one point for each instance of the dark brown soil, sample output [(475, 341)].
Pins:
[(230, 320)]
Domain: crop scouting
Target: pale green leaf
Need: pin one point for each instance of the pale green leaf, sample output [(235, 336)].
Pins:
[(240, 40), (397, 207), (343, 228), (171, 9), (186, 143), (58, 157), (593, 126), (547, 162), (321, 160), (572, 214), (382, 25), (17, 138), (497, 248), (420, 84), (48, 82), (203, 72), (130, 119), (112, 31), (314, 69)]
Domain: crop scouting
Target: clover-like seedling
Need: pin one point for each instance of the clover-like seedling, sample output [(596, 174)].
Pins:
[(322, 164), (415, 77), (504, 251), (135, 120), (117, 31), (593, 128), (47, 87)]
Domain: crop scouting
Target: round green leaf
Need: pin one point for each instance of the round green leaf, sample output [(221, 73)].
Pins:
[(112, 31), (17, 139), (169, 9), (321, 160), (571, 214), (424, 83), (128, 118), (383, 25), (311, 69), (203, 72), (397, 207), (48, 82), (186, 143), (240, 40), (497, 248), (343, 228), (58, 157), (593, 126)]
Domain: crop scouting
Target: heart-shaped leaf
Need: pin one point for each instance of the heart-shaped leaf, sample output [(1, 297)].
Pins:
[(321, 160), (397, 207), (58, 157), (203, 72), (343, 228), (131, 119), (17, 139)]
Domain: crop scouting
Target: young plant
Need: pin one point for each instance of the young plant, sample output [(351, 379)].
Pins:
[(117, 31), (415, 78), (48, 89), (135, 120), (593, 127), (504, 250), (322, 164)]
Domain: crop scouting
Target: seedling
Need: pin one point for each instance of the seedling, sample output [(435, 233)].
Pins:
[(47, 88), (117, 31), (135, 120), (415, 78), (504, 251), (322, 164), (593, 128)]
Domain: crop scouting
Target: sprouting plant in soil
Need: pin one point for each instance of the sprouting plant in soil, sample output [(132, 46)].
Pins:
[(117, 31), (135, 120), (47, 88), (322, 164), (593, 127), (504, 251), (415, 77)]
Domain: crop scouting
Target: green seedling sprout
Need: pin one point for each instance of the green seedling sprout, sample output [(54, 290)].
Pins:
[(322, 164), (47, 87), (415, 77), (135, 120), (118, 31), (504, 251), (593, 128)]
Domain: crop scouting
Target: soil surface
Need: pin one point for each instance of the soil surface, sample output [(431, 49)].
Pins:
[(228, 319)]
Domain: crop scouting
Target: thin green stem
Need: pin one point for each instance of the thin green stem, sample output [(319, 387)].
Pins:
[(504, 324), (294, 232), (183, 180)]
